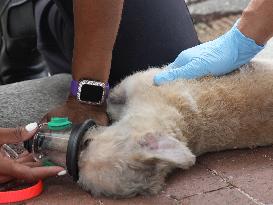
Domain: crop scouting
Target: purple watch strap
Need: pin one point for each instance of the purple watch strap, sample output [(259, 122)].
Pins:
[(107, 90), (75, 84), (74, 87)]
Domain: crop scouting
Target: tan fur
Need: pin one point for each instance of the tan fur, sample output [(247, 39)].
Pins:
[(160, 128)]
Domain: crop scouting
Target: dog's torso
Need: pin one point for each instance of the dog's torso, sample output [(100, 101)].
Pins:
[(233, 111)]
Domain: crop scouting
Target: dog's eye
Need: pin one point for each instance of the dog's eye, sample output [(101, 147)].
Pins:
[(86, 143)]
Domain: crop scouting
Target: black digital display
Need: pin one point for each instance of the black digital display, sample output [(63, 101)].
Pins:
[(91, 93)]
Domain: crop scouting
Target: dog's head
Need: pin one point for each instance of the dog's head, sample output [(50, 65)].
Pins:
[(123, 163)]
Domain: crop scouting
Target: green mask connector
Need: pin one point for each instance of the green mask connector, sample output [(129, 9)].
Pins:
[(59, 123), (47, 163)]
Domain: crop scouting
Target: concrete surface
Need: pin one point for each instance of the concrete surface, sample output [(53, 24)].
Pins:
[(29, 105), (205, 7)]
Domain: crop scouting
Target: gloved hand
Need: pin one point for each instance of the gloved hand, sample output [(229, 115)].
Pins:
[(216, 58)]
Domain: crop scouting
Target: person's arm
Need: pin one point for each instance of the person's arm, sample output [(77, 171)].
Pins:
[(96, 26), (24, 167), (229, 51), (257, 21)]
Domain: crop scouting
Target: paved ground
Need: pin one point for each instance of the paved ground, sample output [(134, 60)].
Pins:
[(231, 177), (207, 7), (226, 178)]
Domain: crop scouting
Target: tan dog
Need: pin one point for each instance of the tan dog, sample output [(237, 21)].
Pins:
[(157, 129)]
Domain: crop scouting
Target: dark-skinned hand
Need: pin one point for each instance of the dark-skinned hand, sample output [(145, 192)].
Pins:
[(79, 112), (24, 167)]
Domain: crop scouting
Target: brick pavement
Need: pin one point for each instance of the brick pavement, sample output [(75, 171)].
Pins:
[(230, 177), (209, 30)]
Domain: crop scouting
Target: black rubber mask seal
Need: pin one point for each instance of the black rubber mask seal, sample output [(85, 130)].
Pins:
[(73, 147)]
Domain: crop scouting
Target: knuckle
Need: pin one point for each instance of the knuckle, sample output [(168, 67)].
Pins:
[(14, 170), (30, 176)]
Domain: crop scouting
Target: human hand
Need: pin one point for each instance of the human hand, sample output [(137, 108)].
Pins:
[(217, 57), (24, 167), (79, 112)]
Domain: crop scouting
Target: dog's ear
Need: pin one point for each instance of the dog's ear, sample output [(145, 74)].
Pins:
[(156, 146)]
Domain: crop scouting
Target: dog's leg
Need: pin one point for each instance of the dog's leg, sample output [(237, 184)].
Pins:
[(118, 94), (117, 101)]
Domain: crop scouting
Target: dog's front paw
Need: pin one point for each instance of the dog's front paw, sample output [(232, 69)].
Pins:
[(115, 111), (116, 101), (117, 96)]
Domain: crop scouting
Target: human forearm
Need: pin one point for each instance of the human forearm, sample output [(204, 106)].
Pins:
[(257, 21), (96, 27)]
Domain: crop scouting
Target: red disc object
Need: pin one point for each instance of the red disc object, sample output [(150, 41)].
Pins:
[(21, 195)]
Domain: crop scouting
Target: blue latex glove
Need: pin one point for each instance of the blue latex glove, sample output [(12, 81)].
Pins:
[(216, 58)]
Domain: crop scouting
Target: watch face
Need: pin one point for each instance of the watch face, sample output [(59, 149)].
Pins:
[(91, 93)]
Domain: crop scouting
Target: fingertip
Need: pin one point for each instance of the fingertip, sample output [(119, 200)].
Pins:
[(158, 80), (31, 127), (29, 130), (45, 172), (62, 173), (57, 169), (165, 77)]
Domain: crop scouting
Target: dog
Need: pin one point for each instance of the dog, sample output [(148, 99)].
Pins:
[(159, 128)]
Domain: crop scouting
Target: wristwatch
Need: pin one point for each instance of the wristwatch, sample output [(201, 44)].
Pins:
[(89, 91)]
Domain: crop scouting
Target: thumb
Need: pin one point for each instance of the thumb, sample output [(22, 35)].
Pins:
[(194, 69), (18, 134)]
